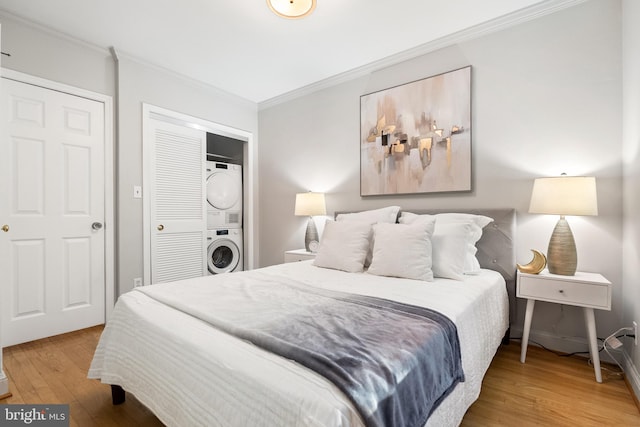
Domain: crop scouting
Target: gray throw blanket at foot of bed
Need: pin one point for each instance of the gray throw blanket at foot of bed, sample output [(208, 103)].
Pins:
[(396, 362)]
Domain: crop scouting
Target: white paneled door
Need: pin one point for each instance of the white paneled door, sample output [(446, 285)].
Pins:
[(52, 241)]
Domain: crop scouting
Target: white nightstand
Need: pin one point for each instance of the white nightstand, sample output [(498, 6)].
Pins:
[(587, 290), (298, 255)]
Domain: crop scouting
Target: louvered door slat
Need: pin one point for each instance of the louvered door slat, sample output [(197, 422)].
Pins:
[(178, 212), (179, 178), (179, 256)]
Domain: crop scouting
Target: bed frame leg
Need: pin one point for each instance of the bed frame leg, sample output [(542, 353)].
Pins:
[(505, 339), (117, 395)]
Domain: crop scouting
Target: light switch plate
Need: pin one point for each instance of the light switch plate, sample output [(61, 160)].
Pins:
[(137, 192)]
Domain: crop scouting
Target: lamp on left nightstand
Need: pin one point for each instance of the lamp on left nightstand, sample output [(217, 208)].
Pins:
[(310, 204)]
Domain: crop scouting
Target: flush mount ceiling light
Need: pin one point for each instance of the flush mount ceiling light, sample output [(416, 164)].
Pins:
[(292, 9)]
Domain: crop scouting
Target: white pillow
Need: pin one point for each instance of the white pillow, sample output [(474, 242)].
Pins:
[(472, 265), (344, 246), (478, 222), (385, 215), (450, 247), (403, 250), (388, 214), (410, 217)]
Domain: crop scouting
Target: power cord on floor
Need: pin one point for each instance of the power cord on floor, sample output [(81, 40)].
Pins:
[(604, 341), (557, 353), (607, 341), (575, 353)]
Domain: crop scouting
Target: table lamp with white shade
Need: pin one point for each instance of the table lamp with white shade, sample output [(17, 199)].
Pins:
[(310, 204), (563, 195)]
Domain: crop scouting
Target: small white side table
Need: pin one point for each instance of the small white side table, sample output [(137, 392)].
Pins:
[(298, 255), (586, 290)]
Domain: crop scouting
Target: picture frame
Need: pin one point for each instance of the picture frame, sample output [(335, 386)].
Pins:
[(415, 138)]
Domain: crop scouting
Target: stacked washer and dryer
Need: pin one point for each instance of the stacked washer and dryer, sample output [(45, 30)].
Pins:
[(224, 217)]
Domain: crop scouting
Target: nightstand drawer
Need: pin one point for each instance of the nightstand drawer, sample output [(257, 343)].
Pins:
[(298, 255), (565, 292)]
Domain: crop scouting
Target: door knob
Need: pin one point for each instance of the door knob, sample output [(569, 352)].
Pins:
[(5, 228), (96, 225), (160, 227)]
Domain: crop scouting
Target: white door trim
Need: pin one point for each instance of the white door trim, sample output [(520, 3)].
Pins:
[(109, 226), (4, 381), (158, 113)]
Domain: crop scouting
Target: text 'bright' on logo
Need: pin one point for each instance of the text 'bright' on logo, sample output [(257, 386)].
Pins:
[(34, 415)]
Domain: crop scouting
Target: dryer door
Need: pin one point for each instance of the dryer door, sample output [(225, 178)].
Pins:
[(223, 256), (223, 191)]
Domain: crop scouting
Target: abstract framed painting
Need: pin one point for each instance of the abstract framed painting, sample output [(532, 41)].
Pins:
[(416, 137)]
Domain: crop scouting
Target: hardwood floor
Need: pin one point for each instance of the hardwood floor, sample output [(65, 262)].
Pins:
[(548, 390), (54, 370)]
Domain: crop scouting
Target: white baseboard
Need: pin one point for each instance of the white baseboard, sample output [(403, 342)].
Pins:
[(631, 373)]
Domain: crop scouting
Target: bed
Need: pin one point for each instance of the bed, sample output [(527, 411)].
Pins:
[(190, 373)]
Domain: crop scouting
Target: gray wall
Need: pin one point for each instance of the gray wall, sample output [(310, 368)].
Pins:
[(546, 99), (137, 84), (41, 53), (631, 159)]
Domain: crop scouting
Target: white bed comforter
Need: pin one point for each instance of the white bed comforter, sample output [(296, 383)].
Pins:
[(190, 374)]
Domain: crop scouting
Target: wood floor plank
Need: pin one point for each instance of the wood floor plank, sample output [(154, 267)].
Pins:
[(54, 370), (35, 388), (547, 390)]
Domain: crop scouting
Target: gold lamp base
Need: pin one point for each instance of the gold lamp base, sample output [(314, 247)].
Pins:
[(561, 254)]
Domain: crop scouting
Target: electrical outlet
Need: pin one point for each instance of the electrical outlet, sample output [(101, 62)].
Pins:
[(614, 342), (635, 332), (137, 282)]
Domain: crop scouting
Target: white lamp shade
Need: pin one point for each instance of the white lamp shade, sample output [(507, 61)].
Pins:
[(564, 195), (310, 204), (292, 8)]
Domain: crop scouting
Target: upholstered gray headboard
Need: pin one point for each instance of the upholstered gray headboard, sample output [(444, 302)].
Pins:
[(496, 248)]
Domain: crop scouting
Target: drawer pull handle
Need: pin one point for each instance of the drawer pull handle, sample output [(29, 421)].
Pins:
[(561, 291)]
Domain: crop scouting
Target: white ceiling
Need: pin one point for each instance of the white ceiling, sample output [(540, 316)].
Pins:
[(240, 46)]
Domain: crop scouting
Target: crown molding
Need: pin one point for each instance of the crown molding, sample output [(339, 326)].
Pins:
[(117, 55), (55, 33), (518, 17), (510, 20), (120, 55)]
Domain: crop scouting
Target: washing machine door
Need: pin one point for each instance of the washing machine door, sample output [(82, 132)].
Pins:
[(223, 256), (223, 190)]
